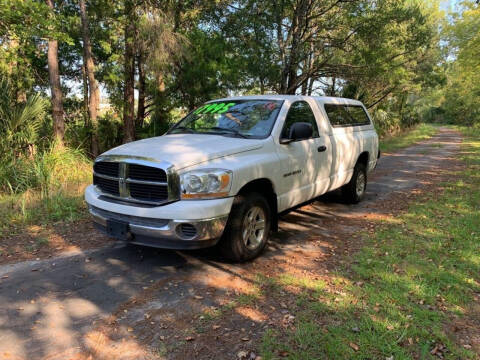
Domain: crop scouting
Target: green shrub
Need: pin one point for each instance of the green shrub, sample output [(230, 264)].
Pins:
[(48, 171), (48, 187), (109, 131), (385, 122)]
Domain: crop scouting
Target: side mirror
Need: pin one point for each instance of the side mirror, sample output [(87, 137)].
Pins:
[(298, 131)]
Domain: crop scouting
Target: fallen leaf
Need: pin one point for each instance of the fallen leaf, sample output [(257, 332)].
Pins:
[(198, 297), (354, 346), (245, 339), (189, 338), (215, 327), (242, 354)]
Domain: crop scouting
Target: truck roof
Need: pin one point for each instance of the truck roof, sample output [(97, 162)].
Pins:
[(321, 99)]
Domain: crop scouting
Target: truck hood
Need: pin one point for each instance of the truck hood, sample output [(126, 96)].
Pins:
[(183, 150)]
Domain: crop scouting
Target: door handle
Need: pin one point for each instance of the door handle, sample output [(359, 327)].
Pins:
[(322, 148)]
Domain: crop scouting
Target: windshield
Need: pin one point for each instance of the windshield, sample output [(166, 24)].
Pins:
[(240, 118)]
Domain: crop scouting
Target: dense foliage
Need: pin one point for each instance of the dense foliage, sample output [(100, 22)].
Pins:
[(461, 95), (93, 74)]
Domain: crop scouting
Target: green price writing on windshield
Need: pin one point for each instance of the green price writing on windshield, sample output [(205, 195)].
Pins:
[(214, 108)]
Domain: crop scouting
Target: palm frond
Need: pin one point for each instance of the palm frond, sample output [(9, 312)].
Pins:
[(20, 122)]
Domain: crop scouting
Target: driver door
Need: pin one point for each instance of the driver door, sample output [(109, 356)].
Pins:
[(298, 159)]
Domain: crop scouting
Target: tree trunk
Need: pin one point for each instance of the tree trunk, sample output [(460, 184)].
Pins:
[(305, 87), (295, 55), (333, 91), (129, 69), (141, 89), (310, 86), (94, 90), (279, 10), (56, 90), (85, 94)]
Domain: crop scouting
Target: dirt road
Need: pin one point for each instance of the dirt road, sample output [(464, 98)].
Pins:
[(56, 308)]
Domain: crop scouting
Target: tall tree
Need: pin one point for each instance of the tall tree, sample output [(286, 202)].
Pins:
[(461, 96), (89, 66), (129, 74), (159, 48), (141, 88), (55, 87)]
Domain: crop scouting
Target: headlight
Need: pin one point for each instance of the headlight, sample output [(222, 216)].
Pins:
[(206, 183)]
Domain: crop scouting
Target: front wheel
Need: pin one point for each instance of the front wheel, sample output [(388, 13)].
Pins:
[(247, 229), (354, 191)]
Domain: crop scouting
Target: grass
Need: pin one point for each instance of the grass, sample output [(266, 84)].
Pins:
[(407, 138), (32, 208), (46, 189), (412, 276), (42, 242)]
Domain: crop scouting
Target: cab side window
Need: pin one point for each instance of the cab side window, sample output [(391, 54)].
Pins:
[(346, 115), (299, 111)]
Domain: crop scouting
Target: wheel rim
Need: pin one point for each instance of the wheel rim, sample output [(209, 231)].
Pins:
[(253, 227), (361, 183)]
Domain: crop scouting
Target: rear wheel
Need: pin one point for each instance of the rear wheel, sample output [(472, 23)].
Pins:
[(247, 228), (354, 191)]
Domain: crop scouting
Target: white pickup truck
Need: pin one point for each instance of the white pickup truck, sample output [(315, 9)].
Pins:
[(224, 172)]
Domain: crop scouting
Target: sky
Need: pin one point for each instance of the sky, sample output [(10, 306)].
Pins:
[(449, 5)]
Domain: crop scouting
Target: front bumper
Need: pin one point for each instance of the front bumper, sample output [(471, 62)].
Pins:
[(179, 225), (163, 233)]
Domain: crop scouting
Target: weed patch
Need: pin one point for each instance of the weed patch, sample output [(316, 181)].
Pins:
[(408, 137), (45, 189)]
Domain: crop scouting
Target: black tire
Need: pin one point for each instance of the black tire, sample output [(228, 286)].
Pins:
[(351, 193), (232, 245)]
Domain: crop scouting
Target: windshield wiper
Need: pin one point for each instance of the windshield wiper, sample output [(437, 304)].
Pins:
[(231, 131), (183, 128)]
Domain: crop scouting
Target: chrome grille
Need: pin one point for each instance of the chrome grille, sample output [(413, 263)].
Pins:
[(148, 192), (107, 186), (141, 172), (136, 180), (106, 168)]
